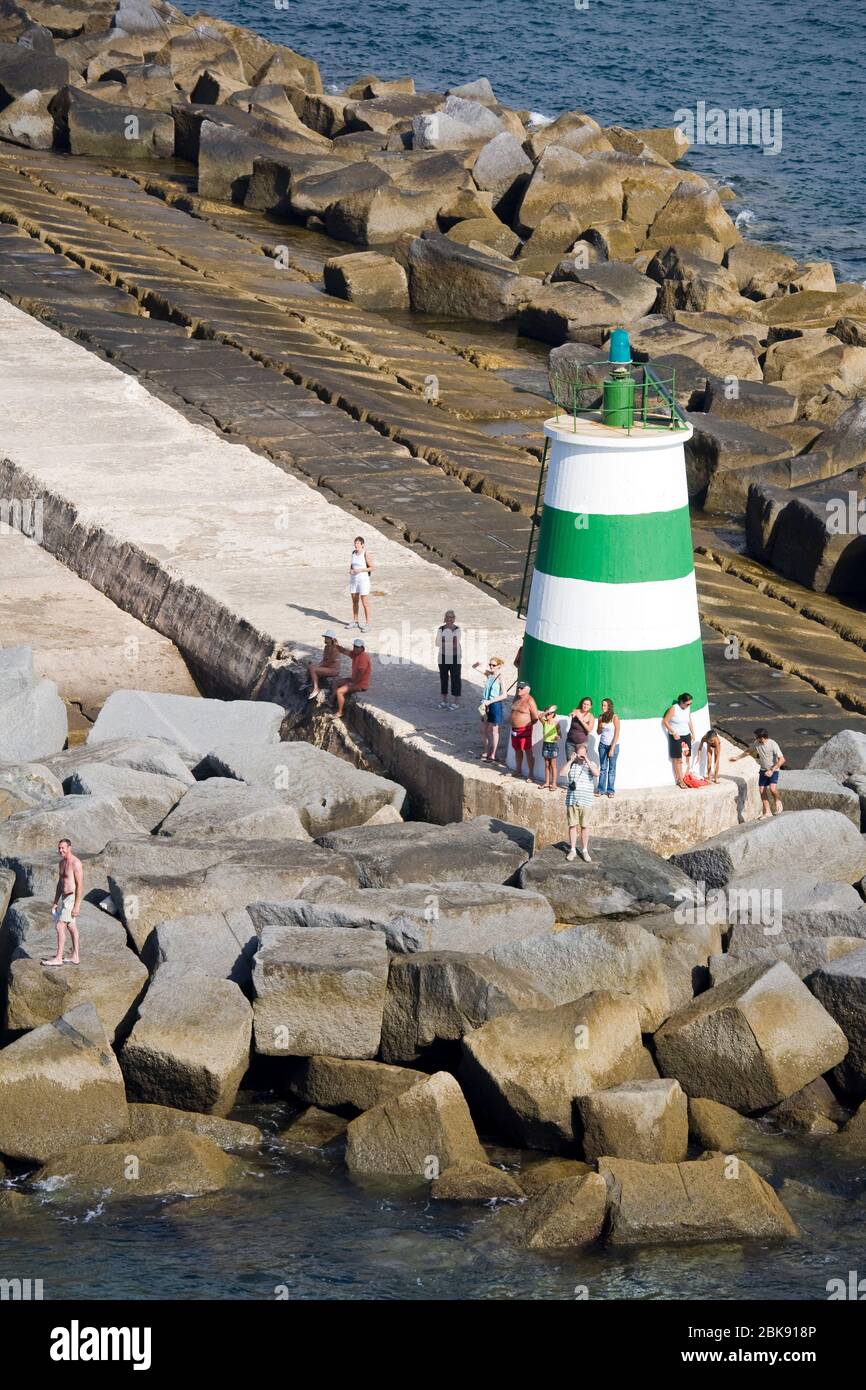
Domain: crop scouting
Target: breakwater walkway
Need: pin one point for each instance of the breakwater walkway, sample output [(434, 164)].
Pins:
[(331, 397), (242, 566)]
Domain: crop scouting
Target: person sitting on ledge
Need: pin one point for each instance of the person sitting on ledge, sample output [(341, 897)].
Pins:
[(329, 665), (362, 669)]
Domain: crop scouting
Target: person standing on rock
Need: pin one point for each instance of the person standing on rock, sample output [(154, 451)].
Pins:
[(360, 569), (608, 748), (450, 656), (328, 667), (582, 725), (362, 670), (579, 797), (492, 707), (771, 760), (67, 903), (524, 716), (681, 732)]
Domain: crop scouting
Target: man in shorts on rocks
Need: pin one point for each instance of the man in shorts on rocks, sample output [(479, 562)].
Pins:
[(771, 760), (67, 903)]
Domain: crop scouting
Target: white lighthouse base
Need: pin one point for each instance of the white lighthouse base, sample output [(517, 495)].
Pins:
[(666, 818), (644, 760)]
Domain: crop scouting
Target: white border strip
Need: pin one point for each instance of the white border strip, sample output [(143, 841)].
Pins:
[(603, 482), (594, 617)]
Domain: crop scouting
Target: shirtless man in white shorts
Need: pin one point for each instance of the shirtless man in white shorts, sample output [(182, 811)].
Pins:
[(67, 903)]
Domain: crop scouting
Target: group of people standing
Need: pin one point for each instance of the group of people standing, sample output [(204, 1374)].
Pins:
[(525, 714)]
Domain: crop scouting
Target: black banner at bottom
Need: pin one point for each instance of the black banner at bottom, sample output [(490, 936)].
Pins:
[(148, 1337)]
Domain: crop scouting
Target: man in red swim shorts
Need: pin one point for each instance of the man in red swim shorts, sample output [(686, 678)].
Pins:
[(524, 714)]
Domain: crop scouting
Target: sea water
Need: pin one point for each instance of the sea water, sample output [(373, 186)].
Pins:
[(299, 1226), (639, 65)]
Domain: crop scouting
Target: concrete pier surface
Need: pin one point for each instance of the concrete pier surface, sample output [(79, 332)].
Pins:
[(243, 566), (80, 639), (183, 293)]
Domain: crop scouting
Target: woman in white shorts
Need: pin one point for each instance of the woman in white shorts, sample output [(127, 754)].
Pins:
[(360, 569)]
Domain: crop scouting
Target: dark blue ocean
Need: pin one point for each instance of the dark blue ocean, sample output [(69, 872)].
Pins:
[(638, 64)]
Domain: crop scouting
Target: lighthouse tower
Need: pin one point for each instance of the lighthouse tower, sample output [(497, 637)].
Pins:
[(613, 609)]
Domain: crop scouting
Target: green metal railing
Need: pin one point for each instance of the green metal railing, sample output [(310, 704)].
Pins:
[(578, 391)]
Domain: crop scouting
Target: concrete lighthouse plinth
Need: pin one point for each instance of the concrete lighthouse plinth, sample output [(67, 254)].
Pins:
[(613, 610)]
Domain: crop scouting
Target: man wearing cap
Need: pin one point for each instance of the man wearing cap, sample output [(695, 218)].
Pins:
[(362, 669), (328, 666), (524, 713)]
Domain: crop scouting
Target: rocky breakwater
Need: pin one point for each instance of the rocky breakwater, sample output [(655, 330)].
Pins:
[(611, 1052), (465, 208), (814, 532)]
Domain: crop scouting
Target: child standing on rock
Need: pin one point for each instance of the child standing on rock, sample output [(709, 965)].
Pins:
[(771, 760)]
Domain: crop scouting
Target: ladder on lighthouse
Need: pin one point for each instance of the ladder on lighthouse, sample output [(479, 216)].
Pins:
[(533, 533)]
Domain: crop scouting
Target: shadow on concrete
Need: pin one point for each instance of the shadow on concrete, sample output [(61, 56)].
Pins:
[(317, 613)]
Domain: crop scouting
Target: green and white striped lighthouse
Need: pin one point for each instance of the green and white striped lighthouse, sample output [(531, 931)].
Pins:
[(613, 609)]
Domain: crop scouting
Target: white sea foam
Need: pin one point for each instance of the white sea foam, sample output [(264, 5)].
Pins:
[(539, 118), (744, 218), (53, 1184)]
